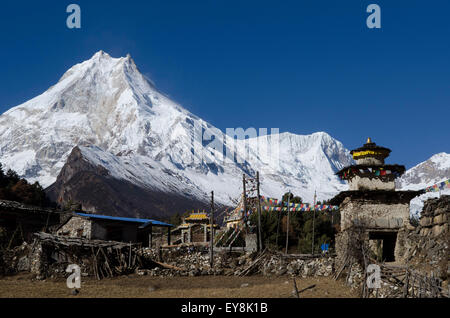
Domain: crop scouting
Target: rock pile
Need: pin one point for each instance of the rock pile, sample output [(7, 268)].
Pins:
[(45, 262), (16, 259), (194, 261), (278, 266), (355, 277)]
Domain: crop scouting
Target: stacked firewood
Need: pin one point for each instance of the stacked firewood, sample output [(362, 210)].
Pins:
[(99, 258)]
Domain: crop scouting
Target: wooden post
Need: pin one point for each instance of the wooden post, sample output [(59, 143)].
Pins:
[(295, 288), (129, 257), (150, 237), (278, 225), (406, 285), (420, 287), (211, 233), (260, 244), (314, 221), (168, 235), (244, 198), (287, 222), (12, 237), (412, 282)]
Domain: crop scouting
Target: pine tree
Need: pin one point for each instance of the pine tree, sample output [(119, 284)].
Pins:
[(300, 229), (14, 188)]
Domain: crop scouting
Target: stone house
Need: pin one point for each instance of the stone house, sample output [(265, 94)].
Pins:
[(19, 221), (110, 228)]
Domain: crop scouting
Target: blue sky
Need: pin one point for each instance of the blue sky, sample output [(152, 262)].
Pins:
[(301, 66)]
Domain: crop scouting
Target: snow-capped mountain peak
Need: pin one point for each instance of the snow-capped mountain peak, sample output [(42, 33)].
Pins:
[(434, 170), (429, 172), (122, 122)]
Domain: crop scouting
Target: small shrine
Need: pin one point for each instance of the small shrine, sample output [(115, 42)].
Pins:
[(235, 218), (197, 218), (196, 227), (372, 204), (370, 171)]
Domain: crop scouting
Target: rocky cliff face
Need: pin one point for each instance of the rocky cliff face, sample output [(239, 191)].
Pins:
[(97, 191)]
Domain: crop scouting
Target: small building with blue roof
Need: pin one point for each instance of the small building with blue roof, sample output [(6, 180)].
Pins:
[(111, 228)]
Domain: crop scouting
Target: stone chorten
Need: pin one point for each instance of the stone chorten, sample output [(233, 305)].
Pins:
[(370, 171), (372, 203)]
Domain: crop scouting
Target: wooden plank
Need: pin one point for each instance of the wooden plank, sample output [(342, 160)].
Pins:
[(406, 285), (295, 288), (129, 257), (106, 263), (342, 268), (254, 263), (168, 266), (305, 289)]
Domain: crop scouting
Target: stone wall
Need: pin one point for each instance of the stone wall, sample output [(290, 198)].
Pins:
[(194, 261), (76, 227), (428, 245), (373, 214), (195, 233), (358, 183), (85, 228), (349, 245), (401, 245), (251, 244), (186, 235), (435, 217), (378, 223), (369, 161)]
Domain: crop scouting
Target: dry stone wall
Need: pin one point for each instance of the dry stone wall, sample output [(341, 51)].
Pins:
[(428, 245), (359, 183), (76, 227), (435, 217), (373, 214)]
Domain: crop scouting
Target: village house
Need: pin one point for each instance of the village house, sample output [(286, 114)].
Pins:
[(111, 228), (19, 221)]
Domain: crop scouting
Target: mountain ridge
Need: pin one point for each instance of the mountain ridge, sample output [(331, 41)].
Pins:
[(427, 173), (113, 117)]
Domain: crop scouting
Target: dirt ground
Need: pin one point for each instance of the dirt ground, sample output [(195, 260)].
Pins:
[(21, 286)]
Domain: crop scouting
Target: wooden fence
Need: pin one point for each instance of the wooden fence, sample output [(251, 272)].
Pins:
[(408, 283)]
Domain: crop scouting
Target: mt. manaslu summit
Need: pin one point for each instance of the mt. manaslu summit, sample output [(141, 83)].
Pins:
[(104, 132)]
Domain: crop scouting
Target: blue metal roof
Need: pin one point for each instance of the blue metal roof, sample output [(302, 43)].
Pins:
[(145, 222)]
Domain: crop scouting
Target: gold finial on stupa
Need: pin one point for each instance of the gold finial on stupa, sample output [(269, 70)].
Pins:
[(369, 141)]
